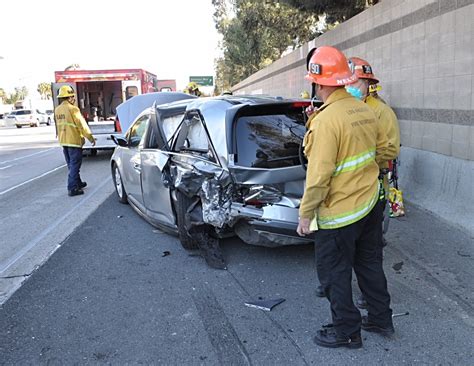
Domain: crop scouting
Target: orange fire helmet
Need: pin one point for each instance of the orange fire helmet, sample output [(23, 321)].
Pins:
[(362, 69), (328, 66)]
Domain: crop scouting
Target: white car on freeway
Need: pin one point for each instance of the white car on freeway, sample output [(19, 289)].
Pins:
[(27, 117)]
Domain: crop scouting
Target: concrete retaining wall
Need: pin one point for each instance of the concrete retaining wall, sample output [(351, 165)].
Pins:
[(423, 53)]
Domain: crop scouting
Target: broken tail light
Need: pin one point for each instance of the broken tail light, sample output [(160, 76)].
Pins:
[(118, 128)]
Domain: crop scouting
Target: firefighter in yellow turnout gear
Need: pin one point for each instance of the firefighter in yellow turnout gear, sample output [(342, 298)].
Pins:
[(385, 115), (386, 119), (72, 130), (344, 146)]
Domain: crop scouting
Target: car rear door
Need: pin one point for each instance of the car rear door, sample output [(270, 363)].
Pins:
[(154, 159)]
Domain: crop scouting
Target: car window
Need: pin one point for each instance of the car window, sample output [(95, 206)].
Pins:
[(137, 130), (23, 111), (269, 140), (192, 135), (49, 111), (169, 125)]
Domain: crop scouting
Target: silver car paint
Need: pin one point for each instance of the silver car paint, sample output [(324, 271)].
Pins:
[(211, 181)]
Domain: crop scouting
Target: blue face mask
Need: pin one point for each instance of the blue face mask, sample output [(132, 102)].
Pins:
[(355, 92)]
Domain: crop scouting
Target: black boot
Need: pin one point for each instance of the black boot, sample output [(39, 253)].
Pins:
[(320, 291), (327, 337), (369, 326), (75, 192)]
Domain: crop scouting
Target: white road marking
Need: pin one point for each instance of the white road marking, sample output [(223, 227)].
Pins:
[(32, 179), (26, 156), (6, 167), (13, 259)]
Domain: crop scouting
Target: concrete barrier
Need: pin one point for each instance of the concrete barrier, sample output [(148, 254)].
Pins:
[(439, 183)]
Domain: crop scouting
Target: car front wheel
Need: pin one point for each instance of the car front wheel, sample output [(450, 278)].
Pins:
[(49, 122), (118, 183)]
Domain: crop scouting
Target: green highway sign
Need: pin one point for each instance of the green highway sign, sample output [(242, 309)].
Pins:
[(202, 80)]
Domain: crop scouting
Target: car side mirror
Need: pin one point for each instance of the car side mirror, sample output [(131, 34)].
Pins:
[(119, 140)]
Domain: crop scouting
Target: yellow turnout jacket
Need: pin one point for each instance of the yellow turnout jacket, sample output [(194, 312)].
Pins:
[(344, 145), (71, 126)]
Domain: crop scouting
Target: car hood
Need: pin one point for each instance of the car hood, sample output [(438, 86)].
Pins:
[(129, 110)]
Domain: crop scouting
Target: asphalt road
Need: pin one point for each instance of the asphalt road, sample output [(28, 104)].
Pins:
[(111, 295), (36, 214)]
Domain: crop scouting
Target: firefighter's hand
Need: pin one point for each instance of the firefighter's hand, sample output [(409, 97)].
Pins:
[(93, 141), (309, 110), (303, 227)]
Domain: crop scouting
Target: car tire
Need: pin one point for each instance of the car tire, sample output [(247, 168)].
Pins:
[(18, 126), (182, 205), (49, 122), (118, 184), (93, 152)]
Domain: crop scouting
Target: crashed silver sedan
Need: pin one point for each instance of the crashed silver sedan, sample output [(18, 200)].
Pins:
[(216, 167)]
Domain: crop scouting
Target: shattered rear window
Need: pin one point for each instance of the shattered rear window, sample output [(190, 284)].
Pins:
[(270, 140)]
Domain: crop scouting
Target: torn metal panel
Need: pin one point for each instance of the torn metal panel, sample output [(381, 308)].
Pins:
[(244, 175), (216, 202), (213, 185), (266, 194)]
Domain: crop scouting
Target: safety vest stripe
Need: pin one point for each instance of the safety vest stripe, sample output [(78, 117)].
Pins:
[(355, 162), (332, 222), (67, 124)]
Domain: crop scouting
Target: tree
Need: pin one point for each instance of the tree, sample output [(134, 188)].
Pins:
[(45, 90), (255, 33), (3, 95), (259, 33), (334, 10), (20, 93)]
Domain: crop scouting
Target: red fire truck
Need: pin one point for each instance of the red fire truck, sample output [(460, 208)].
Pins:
[(99, 92)]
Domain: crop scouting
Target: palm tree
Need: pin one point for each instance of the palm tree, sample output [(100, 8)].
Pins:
[(45, 90)]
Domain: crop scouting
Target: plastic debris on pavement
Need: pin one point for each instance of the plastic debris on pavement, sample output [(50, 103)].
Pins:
[(166, 253), (266, 305)]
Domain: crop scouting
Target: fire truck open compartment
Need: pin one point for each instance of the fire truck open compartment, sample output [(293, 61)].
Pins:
[(98, 100)]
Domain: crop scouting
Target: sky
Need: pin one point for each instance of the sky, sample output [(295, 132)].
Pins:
[(173, 39)]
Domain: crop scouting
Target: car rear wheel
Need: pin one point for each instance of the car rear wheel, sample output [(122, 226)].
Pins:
[(18, 126), (183, 203), (122, 195)]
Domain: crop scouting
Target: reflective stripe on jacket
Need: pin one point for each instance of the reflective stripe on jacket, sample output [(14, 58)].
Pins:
[(344, 145), (71, 126)]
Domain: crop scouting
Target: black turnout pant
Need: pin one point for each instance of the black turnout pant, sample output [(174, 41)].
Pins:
[(357, 247)]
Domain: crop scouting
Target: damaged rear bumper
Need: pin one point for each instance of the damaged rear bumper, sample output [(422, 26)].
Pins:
[(270, 226)]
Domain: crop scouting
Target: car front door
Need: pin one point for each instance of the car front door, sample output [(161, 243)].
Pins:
[(154, 158), (132, 161)]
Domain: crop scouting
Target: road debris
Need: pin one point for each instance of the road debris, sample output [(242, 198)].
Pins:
[(166, 253), (398, 266), (400, 314), (266, 305)]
